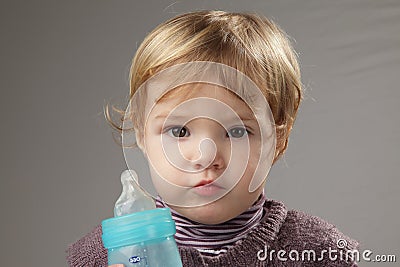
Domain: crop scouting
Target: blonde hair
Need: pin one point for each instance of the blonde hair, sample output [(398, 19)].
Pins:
[(247, 42)]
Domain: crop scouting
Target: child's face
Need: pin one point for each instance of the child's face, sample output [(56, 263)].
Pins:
[(207, 148)]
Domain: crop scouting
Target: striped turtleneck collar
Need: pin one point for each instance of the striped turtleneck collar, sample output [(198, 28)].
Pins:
[(217, 238)]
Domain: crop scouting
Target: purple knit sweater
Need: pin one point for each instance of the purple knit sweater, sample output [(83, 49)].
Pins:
[(293, 232)]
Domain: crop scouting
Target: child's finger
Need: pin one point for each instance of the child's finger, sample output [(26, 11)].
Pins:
[(116, 265)]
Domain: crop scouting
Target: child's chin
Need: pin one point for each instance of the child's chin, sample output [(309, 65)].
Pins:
[(208, 214)]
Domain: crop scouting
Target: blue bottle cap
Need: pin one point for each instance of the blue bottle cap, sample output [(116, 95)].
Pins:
[(137, 227)]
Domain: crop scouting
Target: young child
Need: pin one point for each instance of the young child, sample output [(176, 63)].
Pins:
[(215, 144)]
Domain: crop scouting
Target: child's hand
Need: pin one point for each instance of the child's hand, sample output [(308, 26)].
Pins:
[(116, 265)]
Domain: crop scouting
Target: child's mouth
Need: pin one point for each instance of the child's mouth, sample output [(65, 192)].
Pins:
[(207, 188)]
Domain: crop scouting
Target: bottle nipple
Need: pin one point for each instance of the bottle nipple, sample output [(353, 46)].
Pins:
[(133, 198)]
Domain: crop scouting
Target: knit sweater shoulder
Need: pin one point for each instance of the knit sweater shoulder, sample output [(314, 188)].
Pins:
[(282, 238)]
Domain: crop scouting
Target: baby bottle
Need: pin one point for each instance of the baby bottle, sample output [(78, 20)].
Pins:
[(139, 234)]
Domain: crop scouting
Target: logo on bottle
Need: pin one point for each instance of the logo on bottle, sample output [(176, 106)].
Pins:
[(135, 259)]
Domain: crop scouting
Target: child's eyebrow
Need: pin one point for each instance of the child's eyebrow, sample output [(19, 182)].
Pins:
[(244, 120), (179, 117), (172, 117)]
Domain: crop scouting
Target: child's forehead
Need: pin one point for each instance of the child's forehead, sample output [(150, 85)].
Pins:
[(182, 112), (199, 89), (202, 92), (180, 82)]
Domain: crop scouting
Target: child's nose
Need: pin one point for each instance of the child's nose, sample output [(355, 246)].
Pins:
[(210, 156)]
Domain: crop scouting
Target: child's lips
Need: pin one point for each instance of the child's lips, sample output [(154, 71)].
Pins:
[(203, 183), (207, 188)]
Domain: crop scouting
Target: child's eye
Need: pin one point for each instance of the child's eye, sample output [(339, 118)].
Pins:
[(237, 132), (178, 131)]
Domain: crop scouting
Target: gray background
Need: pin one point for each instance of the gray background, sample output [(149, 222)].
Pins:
[(61, 61)]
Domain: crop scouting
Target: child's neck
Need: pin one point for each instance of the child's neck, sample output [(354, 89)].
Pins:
[(215, 239)]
